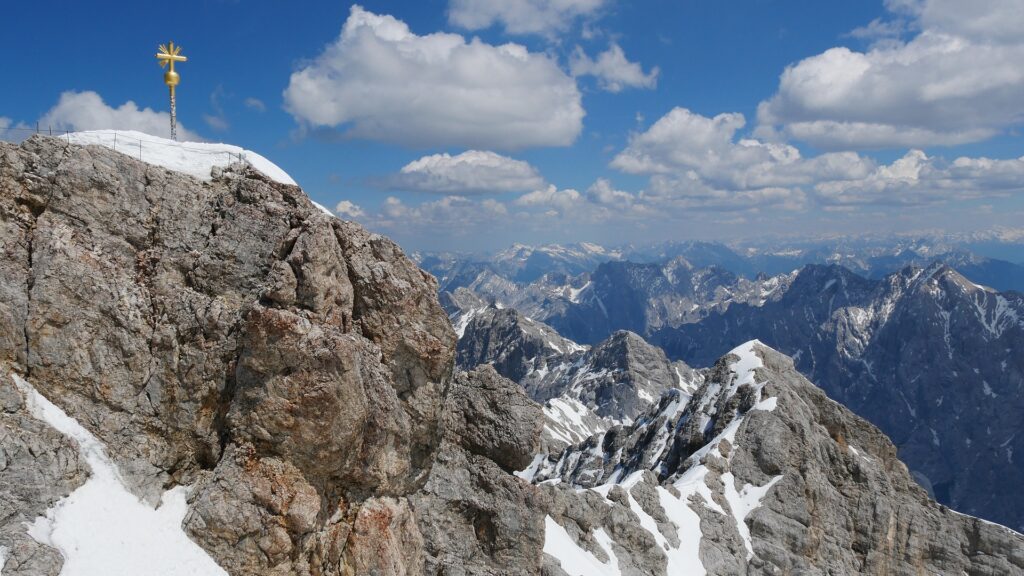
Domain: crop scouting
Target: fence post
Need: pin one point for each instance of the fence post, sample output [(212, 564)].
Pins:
[(115, 140), (140, 149)]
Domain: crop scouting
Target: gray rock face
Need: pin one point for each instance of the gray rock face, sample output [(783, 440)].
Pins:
[(293, 368), (492, 417), (772, 477), (930, 357), (476, 518)]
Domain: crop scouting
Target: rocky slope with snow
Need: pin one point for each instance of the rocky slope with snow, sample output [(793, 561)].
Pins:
[(280, 379), (757, 473), (584, 389), (209, 375), (927, 355)]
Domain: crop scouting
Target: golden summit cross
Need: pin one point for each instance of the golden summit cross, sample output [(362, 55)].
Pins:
[(168, 55)]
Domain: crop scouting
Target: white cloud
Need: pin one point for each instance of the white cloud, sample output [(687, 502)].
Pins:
[(613, 70), (472, 172), (255, 104), (917, 178), (521, 16), (349, 210), (986, 20), (696, 162), (880, 30), (451, 215), (551, 199), (958, 80), (380, 81), (686, 148), (217, 121), (77, 111)]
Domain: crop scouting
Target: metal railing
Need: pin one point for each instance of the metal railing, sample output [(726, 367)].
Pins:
[(130, 145)]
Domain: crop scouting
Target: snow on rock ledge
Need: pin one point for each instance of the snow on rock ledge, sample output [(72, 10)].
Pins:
[(193, 158), (101, 528)]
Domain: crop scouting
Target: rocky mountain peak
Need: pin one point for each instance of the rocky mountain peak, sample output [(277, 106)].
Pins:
[(711, 484)]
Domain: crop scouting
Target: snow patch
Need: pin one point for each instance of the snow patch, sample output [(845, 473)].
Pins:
[(102, 528), (747, 363), (530, 471), (744, 502), (193, 158), (573, 559)]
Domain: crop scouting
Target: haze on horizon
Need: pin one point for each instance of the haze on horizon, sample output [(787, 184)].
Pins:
[(473, 124)]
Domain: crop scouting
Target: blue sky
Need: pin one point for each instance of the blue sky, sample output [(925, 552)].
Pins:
[(607, 121)]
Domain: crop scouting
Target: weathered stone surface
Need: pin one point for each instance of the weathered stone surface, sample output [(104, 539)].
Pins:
[(477, 519), (252, 513), (228, 334), (492, 417)]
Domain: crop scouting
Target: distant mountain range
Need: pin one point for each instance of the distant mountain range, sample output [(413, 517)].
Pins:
[(995, 259), (927, 354)]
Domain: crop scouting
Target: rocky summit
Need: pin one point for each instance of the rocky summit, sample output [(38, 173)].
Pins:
[(292, 369), (262, 388)]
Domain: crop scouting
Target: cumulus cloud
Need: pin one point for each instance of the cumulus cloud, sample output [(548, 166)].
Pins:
[(472, 172), (77, 111), (380, 81), (521, 16), (958, 80), (452, 215), (613, 70), (917, 179), (696, 162), (551, 199), (697, 155), (349, 210)]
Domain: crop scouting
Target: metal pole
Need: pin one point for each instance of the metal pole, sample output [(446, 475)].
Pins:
[(174, 129)]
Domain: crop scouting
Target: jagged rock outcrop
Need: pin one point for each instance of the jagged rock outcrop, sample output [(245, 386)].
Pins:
[(758, 473), (584, 389), (291, 367)]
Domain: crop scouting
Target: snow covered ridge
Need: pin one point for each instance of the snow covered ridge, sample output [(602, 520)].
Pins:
[(102, 528), (603, 466), (193, 158)]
